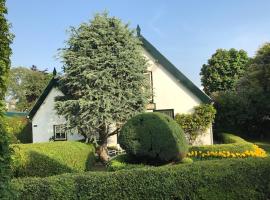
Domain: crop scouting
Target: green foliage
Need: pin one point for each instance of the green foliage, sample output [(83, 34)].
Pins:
[(46, 159), (5, 53), (247, 109), (104, 82), (155, 136), (211, 180), (26, 85), (223, 70), (124, 162), (232, 143), (198, 122), (19, 129)]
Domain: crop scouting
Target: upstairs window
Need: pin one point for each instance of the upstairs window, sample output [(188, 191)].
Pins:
[(59, 132), (149, 79)]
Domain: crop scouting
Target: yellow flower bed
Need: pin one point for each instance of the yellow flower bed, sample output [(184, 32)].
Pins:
[(257, 152)]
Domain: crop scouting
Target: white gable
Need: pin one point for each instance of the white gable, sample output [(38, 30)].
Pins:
[(169, 93), (46, 117)]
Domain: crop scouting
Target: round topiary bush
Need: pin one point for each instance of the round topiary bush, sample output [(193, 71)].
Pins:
[(154, 136)]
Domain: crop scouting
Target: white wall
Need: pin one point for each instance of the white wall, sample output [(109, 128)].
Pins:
[(46, 117), (169, 93)]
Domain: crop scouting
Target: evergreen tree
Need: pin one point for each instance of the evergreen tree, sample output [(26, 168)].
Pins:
[(5, 52), (104, 82)]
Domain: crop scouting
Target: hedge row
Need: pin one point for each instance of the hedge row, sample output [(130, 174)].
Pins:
[(46, 159), (216, 179), (232, 143)]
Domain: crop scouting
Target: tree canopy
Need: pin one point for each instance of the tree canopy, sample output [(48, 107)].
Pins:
[(223, 70), (5, 53), (26, 85), (104, 77), (247, 109)]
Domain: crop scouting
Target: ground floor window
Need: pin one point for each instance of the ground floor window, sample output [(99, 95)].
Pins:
[(169, 112), (59, 132)]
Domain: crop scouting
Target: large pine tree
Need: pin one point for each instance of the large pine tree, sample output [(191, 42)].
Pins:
[(104, 77), (5, 52)]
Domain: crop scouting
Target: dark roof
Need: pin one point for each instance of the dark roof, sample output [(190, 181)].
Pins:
[(156, 55), (51, 84), (174, 71), (15, 114)]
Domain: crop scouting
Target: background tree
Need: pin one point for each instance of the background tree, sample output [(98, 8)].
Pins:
[(26, 85), (246, 110), (104, 82), (223, 70), (5, 52)]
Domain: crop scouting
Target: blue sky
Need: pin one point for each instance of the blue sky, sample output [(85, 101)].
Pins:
[(186, 32)]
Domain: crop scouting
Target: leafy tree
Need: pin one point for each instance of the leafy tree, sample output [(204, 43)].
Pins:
[(5, 52), (223, 70), (104, 82), (26, 85), (247, 110)]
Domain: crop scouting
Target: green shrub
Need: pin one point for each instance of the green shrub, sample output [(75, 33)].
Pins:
[(198, 122), (46, 159), (211, 180), (154, 136), (19, 129), (5, 159)]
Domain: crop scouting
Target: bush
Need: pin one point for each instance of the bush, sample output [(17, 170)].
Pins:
[(215, 179), (5, 159), (154, 136), (19, 129), (196, 123), (234, 147), (46, 159)]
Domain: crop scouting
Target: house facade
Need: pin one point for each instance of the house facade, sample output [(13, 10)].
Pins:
[(173, 93)]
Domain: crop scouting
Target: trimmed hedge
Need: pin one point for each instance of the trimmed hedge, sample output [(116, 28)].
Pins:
[(46, 159), (154, 136), (232, 143), (216, 179)]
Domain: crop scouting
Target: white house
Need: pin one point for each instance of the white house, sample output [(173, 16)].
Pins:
[(173, 93)]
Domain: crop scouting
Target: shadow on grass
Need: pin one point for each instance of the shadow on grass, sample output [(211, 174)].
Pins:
[(41, 165)]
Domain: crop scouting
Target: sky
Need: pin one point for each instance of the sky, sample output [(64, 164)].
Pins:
[(186, 32)]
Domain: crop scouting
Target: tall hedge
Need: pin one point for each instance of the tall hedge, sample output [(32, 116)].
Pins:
[(46, 159), (216, 179), (5, 52)]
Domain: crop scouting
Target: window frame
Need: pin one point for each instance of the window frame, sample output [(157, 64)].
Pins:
[(160, 111), (150, 74), (54, 132)]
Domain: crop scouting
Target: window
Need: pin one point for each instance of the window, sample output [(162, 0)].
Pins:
[(169, 112), (59, 132), (149, 79)]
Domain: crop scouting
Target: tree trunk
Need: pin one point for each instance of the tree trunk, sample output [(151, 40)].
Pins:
[(103, 153), (102, 150)]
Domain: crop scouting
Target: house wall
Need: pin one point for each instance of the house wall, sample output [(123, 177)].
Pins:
[(46, 117), (169, 93)]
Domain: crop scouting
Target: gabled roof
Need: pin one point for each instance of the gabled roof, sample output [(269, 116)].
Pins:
[(172, 69), (156, 55), (53, 82)]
